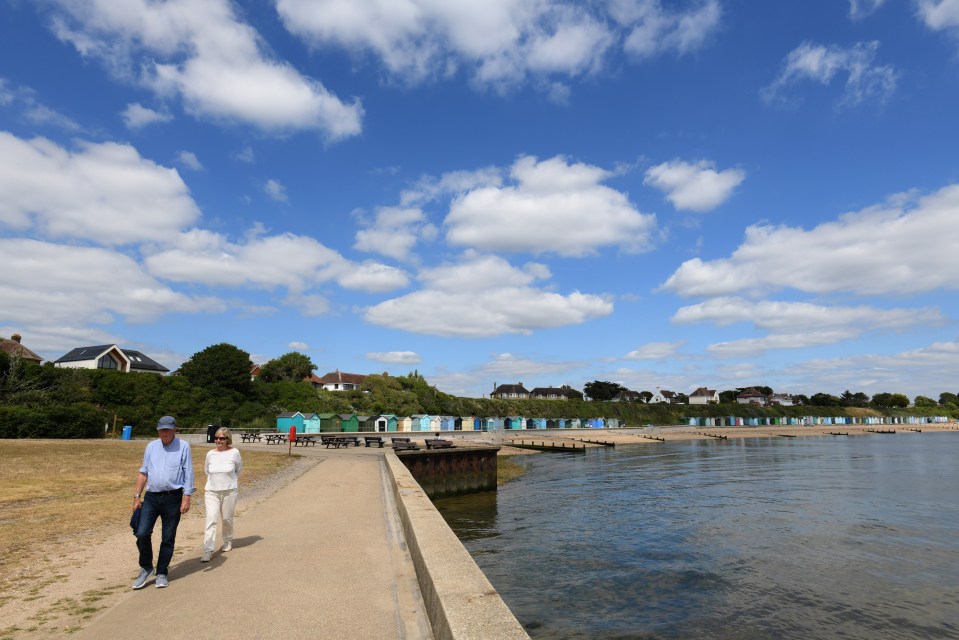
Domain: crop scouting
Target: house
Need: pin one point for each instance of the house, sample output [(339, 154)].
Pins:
[(663, 396), (110, 356), (254, 372), (338, 381), (549, 393), (703, 395), (752, 396), (781, 399), (509, 391), (14, 349), (627, 396)]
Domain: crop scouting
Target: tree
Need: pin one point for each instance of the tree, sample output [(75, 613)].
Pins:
[(800, 399), (824, 400), (923, 401), (221, 367), (849, 399), (947, 398), (292, 366), (601, 391), (571, 393), (645, 396), (728, 396)]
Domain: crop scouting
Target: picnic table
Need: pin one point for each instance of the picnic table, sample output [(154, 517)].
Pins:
[(302, 441), (274, 438), (250, 437), (336, 441)]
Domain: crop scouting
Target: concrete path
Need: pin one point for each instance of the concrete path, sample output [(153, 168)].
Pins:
[(324, 557)]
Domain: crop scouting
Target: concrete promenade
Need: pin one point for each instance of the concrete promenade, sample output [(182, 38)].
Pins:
[(327, 556)]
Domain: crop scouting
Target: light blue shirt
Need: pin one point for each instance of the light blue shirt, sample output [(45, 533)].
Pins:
[(169, 467)]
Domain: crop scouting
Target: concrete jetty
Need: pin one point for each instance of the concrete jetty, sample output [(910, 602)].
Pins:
[(352, 548)]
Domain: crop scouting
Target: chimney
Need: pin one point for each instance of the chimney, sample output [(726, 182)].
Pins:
[(16, 337)]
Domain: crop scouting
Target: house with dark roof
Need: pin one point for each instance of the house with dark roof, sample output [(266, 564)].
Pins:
[(110, 356), (752, 396), (549, 393), (15, 349), (627, 396), (509, 391), (338, 381), (663, 396)]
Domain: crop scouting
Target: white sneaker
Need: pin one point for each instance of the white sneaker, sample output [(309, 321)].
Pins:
[(162, 581), (207, 556), (227, 546)]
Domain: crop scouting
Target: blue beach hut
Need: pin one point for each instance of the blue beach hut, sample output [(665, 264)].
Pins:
[(289, 419)]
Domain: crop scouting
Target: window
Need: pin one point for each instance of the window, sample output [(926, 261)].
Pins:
[(107, 362)]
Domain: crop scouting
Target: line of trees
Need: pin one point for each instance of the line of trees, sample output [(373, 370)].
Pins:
[(215, 387)]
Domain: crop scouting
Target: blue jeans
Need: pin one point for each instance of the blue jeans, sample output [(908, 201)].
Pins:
[(167, 508)]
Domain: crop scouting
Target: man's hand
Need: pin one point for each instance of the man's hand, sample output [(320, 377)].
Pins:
[(137, 502), (185, 504)]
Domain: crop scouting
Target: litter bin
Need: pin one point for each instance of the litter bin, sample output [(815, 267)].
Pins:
[(127, 432), (210, 432)]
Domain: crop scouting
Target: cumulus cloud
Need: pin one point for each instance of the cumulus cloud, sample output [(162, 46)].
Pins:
[(694, 186), (394, 231), (940, 15), (653, 30), (373, 277), (906, 247), (136, 116), (483, 297), (499, 43), (865, 81), (189, 160), (44, 284), (859, 9), (550, 206), (201, 52), (395, 357), (299, 346), (34, 111), (104, 192), (276, 190), (656, 351), (796, 325)]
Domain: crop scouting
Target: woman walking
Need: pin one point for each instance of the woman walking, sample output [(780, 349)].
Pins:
[(222, 467)]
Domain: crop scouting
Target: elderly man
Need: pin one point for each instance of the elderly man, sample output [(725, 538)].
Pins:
[(167, 475)]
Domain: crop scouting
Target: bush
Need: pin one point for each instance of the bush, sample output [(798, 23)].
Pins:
[(52, 421)]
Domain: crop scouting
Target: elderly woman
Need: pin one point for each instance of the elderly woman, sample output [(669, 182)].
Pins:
[(222, 468)]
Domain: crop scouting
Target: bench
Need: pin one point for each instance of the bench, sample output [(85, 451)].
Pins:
[(374, 440), (304, 441), (405, 446), (437, 443), (274, 438), (336, 441)]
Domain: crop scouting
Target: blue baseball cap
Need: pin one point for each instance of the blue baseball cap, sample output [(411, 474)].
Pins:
[(166, 422)]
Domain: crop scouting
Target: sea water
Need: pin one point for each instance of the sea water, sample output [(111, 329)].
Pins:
[(809, 537)]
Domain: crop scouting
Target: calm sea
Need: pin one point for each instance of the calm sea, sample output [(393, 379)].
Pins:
[(814, 537)]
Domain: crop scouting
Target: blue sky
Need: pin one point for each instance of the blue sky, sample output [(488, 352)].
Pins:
[(712, 193)]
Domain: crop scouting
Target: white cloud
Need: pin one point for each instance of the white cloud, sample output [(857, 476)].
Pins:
[(43, 284), (189, 160), (907, 247), (796, 325), (245, 155), (656, 351), (653, 30), (394, 232), (940, 15), (104, 192), (482, 297), (308, 305), (694, 186), (201, 52), (865, 81), (859, 9), (552, 207), (276, 190), (373, 277), (136, 116), (505, 368), (499, 42), (32, 110), (395, 357), (299, 346)]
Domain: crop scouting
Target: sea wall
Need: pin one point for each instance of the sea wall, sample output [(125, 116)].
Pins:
[(449, 472)]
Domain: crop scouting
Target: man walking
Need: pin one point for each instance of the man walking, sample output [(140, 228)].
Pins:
[(167, 475)]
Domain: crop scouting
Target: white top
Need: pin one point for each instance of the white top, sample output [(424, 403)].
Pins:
[(222, 469)]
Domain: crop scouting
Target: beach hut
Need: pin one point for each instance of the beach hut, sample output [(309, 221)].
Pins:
[(489, 424), (367, 423), (614, 423), (404, 423), (311, 423), (513, 422), (289, 419), (463, 423), (385, 422), (420, 422), (539, 423), (447, 423), (329, 423), (349, 422)]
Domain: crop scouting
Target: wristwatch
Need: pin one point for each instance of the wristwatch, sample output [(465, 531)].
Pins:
[(136, 496)]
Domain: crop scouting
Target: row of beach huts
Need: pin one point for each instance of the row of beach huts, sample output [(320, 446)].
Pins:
[(351, 422), (814, 421)]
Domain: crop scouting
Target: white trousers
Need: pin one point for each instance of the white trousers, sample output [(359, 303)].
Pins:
[(219, 503)]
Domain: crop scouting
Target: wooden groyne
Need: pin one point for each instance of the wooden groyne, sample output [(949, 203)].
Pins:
[(651, 438), (916, 430), (785, 435), (881, 430), (836, 433), (543, 446), (711, 435), (599, 442)]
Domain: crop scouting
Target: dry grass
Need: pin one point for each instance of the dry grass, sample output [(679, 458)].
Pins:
[(55, 490)]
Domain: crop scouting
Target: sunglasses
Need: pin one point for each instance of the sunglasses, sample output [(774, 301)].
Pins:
[(219, 438)]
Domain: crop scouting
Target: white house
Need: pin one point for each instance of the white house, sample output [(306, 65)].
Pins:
[(703, 395), (752, 396), (663, 396), (338, 381)]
